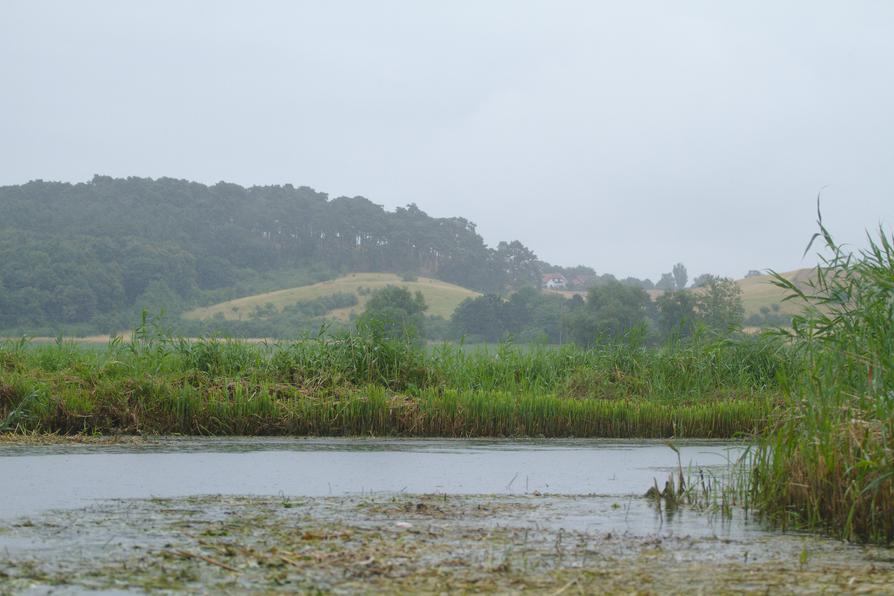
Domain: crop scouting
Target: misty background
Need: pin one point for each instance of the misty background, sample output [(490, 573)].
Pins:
[(624, 136)]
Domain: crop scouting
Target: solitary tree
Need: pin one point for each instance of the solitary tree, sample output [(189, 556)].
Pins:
[(680, 276), (676, 314), (520, 264), (666, 283), (394, 313), (480, 317), (701, 280), (720, 304)]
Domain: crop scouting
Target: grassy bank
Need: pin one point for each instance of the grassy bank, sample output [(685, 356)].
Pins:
[(356, 385), (829, 464)]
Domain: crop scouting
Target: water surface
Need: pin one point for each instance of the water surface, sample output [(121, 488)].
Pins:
[(47, 477), (336, 514)]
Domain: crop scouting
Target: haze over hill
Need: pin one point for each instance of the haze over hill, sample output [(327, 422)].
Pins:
[(88, 257), (95, 253), (399, 239), (623, 135)]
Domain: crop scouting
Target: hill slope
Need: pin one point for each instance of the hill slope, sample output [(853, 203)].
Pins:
[(442, 297), (758, 291)]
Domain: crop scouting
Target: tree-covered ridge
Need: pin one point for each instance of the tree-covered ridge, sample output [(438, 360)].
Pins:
[(92, 253)]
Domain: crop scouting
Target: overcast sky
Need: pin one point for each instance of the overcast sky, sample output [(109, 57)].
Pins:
[(622, 135)]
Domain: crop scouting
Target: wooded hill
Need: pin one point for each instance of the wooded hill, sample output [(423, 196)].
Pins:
[(89, 256)]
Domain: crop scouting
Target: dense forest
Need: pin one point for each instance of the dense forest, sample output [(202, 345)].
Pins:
[(89, 256)]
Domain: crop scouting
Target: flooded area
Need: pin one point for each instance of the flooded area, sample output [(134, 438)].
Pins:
[(374, 516)]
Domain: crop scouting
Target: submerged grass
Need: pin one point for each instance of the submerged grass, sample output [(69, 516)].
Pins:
[(410, 544), (829, 464), (357, 385)]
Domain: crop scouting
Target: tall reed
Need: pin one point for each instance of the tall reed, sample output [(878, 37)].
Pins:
[(354, 384), (830, 462)]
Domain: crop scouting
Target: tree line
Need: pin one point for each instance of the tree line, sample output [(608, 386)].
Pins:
[(89, 257), (611, 312), (94, 254)]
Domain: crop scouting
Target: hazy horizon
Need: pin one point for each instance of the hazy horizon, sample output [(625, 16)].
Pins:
[(624, 137)]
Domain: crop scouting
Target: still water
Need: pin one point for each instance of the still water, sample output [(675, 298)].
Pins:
[(40, 478), (81, 517)]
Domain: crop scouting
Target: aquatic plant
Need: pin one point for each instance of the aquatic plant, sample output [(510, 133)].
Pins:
[(829, 463)]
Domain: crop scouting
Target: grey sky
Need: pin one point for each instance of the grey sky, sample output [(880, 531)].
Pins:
[(622, 135)]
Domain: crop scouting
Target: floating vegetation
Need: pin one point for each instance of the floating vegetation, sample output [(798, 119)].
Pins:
[(411, 544)]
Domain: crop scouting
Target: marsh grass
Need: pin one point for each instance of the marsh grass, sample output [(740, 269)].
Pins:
[(714, 490), (353, 384), (829, 463)]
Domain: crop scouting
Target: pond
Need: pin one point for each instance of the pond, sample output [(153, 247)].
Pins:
[(264, 513), (74, 475)]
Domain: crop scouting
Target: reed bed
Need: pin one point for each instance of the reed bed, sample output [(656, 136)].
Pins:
[(829, 462), (357, 385)]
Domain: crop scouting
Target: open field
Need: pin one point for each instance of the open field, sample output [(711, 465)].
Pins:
[(757, 291), (442, 297)]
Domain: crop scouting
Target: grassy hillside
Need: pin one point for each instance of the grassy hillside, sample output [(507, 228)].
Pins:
[(757, 291), (442, 297), (88, 258)]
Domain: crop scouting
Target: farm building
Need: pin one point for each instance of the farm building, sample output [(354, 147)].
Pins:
[(554, 281)]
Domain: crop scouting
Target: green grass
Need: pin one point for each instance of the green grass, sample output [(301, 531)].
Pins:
[(829, 464), (442, 297), (355, 385), (818, 399)]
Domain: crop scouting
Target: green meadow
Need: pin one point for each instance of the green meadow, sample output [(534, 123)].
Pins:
[(357, 385)]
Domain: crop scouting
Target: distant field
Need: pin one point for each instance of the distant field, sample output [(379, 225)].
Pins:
[(757, 291), (442, 297)]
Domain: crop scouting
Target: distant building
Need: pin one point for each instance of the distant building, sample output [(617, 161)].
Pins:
[(554, 281)]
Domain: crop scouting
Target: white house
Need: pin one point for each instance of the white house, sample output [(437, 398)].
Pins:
[(554, 281)]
